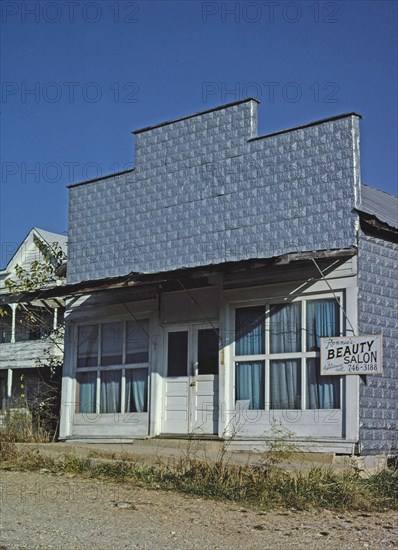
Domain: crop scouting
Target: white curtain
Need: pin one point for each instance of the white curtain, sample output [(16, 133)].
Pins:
[(110, 391), (136, 390), (87, 382)]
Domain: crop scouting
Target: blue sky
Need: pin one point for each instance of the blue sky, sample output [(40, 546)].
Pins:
[(79, 76)]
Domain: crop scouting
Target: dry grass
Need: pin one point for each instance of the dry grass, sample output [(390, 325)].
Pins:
[(263, 487), (17, 426)]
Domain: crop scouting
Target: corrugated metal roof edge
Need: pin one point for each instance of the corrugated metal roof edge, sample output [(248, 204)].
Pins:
[(368, 216), (379, 190), (373, 212)]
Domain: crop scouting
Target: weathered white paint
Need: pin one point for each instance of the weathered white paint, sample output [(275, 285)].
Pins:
[(23, 355), (9, 382), (191, 401), (175, 405), (190, 306)]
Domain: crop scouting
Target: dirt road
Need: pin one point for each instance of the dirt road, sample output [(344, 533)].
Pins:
[(43, 511)]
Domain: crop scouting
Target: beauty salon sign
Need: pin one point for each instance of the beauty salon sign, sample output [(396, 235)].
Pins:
[(351, 355)]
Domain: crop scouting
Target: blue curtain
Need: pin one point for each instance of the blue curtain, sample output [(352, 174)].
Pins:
[(250, 383), (323, 392), (285, 383), (322, 321), (285, 334), (249, 331), (110, 391), (87, 382), (285, 375), (136, 390), (250, 340)]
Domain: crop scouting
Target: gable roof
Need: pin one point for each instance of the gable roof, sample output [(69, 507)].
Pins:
[(27, 251)]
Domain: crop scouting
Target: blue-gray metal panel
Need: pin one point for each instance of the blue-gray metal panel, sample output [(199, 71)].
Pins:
[(203, 193)]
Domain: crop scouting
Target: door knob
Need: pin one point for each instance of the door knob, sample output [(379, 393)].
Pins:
[(192, 384)]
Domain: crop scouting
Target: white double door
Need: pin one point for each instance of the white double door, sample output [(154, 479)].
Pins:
[(191, 381)]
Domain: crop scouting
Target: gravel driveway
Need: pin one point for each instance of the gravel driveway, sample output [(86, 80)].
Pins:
[(44, 511)]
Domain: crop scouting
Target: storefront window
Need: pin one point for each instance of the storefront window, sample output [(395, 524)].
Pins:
[(115, 356), (283, 341)]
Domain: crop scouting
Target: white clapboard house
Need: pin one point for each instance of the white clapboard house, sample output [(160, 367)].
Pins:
[(27, 323)]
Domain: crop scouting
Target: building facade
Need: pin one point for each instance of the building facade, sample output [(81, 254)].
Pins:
[(205, 277)]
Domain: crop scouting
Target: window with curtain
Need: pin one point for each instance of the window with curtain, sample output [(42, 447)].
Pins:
[(323, 392), (110, 391), (87, 352), (277, 355), (250, 340), (136, 390), (250, 383), (86, 390), (116, 355), (111, 343), (137, 343), (285, 375)]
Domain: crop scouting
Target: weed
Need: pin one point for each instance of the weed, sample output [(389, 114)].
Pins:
[(101, 453), (280, 447), (265, 489)]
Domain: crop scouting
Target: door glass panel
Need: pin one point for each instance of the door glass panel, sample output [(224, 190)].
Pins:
[(207, 351), (177, 353)]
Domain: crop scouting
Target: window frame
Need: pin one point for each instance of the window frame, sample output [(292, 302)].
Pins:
[(123, 366), (302, 355)]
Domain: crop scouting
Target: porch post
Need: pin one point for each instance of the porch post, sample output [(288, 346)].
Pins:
[(13, 321), (9, 383)]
